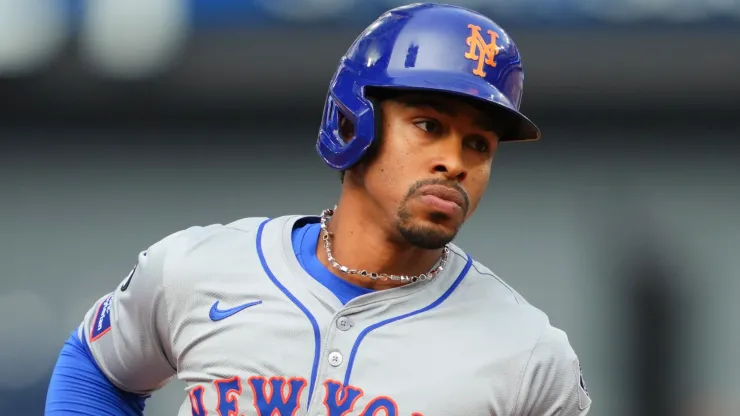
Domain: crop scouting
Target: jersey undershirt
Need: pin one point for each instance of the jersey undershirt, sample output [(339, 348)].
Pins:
[(305, 240)]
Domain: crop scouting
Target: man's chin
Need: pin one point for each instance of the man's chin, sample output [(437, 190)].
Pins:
[(428, 235)]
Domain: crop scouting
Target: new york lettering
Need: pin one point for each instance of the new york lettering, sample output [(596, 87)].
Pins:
[(280, 396)]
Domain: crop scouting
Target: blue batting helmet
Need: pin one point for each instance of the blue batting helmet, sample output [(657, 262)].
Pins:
[(425, 46)]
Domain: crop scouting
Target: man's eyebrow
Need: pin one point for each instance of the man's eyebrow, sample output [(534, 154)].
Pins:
[(483, 122)]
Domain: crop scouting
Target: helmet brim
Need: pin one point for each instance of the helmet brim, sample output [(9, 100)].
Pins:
[(492, 101)]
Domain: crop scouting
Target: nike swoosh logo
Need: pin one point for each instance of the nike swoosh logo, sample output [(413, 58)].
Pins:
[(129, 278), (217, 314)]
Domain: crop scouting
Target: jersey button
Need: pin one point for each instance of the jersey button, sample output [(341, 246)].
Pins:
[(335, 358), (344, 323)]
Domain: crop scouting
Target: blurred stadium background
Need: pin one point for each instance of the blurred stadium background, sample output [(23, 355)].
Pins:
[(123, 121)]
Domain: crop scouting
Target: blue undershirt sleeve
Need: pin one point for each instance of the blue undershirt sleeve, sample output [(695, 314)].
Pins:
[(78, 387)]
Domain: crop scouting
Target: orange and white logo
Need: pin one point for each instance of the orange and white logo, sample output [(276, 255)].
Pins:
[(484, 53)]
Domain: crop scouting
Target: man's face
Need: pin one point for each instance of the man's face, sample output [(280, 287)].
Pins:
[(432, 166)]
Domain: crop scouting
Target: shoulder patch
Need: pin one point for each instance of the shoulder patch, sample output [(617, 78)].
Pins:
[(102, 323), (584, 398)]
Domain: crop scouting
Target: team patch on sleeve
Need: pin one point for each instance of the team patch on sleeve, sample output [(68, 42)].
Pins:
[(101, 324)]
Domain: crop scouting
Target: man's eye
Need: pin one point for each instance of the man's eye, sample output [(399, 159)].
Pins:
[(429, 126), (480, 145)]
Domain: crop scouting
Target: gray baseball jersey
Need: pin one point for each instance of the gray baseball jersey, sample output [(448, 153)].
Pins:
[(229, 310)]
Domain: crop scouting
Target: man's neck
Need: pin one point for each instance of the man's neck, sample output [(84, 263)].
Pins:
[(360, 242)]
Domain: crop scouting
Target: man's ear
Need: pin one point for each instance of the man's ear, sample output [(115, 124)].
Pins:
[(346, 128)]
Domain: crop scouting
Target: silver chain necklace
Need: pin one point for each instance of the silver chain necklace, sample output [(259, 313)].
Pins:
[(326, 237)]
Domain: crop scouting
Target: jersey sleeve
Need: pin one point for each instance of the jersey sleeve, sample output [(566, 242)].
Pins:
[(127, 330), (553, 384)]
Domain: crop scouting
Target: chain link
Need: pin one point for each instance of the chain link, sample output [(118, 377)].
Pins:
[(326, 238)]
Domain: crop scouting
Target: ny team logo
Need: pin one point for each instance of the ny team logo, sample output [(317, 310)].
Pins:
[(481, 51)]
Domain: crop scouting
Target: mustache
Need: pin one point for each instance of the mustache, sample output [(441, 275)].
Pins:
[(450, 184)]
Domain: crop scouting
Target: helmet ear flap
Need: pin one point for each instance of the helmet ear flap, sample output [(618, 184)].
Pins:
[(345, 101), (347, 131), (330, 124)]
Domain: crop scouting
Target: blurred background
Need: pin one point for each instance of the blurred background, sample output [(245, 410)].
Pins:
[(124, 121)]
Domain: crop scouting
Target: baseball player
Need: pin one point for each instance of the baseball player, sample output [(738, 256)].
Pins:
[(368, 309)]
